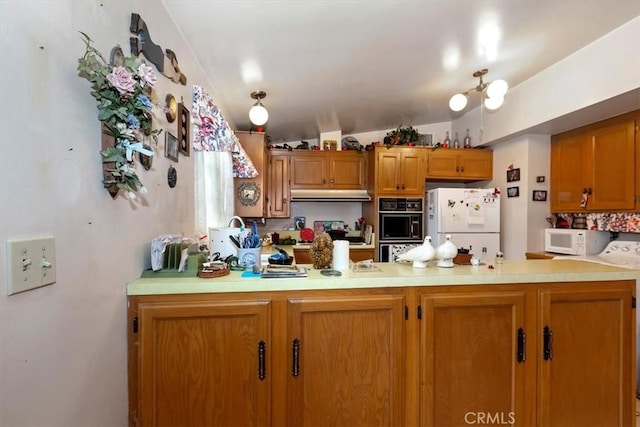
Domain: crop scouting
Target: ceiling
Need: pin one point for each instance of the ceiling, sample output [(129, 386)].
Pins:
[(360, 66)]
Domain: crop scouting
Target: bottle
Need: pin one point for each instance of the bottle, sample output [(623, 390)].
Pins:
[(467, 140), (499, 257), (456, 143), (447, 142), (483, 259)]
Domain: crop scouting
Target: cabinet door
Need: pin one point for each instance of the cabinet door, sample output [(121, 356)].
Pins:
[(613, 170), (309, 171), (412, 172), (347, 171), (388, 171), (347, 361), (470, 367), (586, 357), (569, 162), (476, 164), (279, 190), (442, 163), (204, 363)]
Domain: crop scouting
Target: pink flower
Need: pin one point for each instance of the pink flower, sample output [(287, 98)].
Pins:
[(122, 80), (147, 75)]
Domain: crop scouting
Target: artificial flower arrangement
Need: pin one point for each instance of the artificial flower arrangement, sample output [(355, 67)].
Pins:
[(123, 91)]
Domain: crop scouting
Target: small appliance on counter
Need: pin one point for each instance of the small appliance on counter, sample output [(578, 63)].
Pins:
[(569, 241)]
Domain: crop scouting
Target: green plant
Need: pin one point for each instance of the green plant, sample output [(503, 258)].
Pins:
[(402, 135), (123, 93)]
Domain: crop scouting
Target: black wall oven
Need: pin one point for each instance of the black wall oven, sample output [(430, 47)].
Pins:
[(400, 222)]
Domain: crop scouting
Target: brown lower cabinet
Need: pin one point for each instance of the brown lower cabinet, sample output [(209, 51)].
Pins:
[(547, 354)]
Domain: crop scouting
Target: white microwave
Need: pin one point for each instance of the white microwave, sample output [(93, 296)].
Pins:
[(575, 242)]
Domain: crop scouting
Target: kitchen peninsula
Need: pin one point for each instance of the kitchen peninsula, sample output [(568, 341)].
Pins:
[(394, 346)]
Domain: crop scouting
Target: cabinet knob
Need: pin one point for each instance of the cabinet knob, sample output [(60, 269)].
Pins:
[(331, 180), (462, 169), (284, 201), (324, 181), (397, 186), (403, 187), (457, 169)]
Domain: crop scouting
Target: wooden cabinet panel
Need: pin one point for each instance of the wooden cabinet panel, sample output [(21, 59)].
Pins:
[(460, 164), (599, 159), (255, 147), (339, 170), (399, 171), (348, 366), (613, 167), (278, 201), (469, 361), (199, 363), (584, 379), (308, 172)]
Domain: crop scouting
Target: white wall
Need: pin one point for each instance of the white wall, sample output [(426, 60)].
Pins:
[(63, 359), (522, 219)]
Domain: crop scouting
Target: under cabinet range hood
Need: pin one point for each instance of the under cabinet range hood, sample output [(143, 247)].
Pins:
[(329, 196)]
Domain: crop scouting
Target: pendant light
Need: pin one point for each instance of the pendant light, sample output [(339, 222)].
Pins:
[(258, 114), (492, 93)]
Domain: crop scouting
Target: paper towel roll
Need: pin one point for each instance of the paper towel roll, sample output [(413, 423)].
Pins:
[(340, 255)]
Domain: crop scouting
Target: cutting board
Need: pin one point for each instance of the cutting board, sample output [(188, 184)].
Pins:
[(368, 232)]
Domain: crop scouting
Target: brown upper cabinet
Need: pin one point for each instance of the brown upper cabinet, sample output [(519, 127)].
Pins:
[(459, 164), (398, 171), (597, 164), (279, 190), (250, 193), (338, 170)]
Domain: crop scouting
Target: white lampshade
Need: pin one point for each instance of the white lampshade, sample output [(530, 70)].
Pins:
[(497, 89), (258, 114), (493, 103), (458, 102)]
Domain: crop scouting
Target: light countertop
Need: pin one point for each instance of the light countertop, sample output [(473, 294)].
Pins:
[(394, 275)]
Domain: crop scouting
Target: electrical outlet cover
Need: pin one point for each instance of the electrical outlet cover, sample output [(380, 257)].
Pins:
[(31, 263)]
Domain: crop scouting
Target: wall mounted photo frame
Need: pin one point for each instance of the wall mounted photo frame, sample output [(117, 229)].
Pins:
[(513, 175), (539, 196), (540, 178), (183, 129), (513, 191), (170, 147)]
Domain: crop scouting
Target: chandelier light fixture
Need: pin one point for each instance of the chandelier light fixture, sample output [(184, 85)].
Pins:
[(258, 114), (492, 93)]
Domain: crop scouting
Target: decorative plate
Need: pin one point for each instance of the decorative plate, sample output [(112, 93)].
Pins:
[(172, 177), (307, 234), (171, 109), (248, 193)]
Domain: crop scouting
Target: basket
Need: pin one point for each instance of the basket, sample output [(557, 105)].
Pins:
[(210, 273)]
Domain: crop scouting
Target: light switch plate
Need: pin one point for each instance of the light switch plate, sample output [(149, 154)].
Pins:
[(31, 263)]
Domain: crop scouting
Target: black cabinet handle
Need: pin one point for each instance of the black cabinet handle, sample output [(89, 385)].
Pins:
[(261, 360), (522, 346), (547, 351), (295, 350)]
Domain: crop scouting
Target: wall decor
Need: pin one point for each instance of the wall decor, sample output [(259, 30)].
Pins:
[(539, 196), (172, 176), (170, 147), (248, 193), (513, 191), (171, 108), (146, 161), (183, 129), (300, 222), (513, 175), (540, 178), (165, 60), (123, 93)]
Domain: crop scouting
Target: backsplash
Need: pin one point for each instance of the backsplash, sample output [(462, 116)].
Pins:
[(349, 212), (607, 221)]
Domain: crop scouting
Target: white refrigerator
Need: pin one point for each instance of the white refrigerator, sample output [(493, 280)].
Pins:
[(470, 215)]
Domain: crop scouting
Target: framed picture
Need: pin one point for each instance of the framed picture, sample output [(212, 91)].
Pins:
[(300, 222), (540, 178), (513, 191), (170, 147), (183, 129), (539, 196), (513, 175)]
